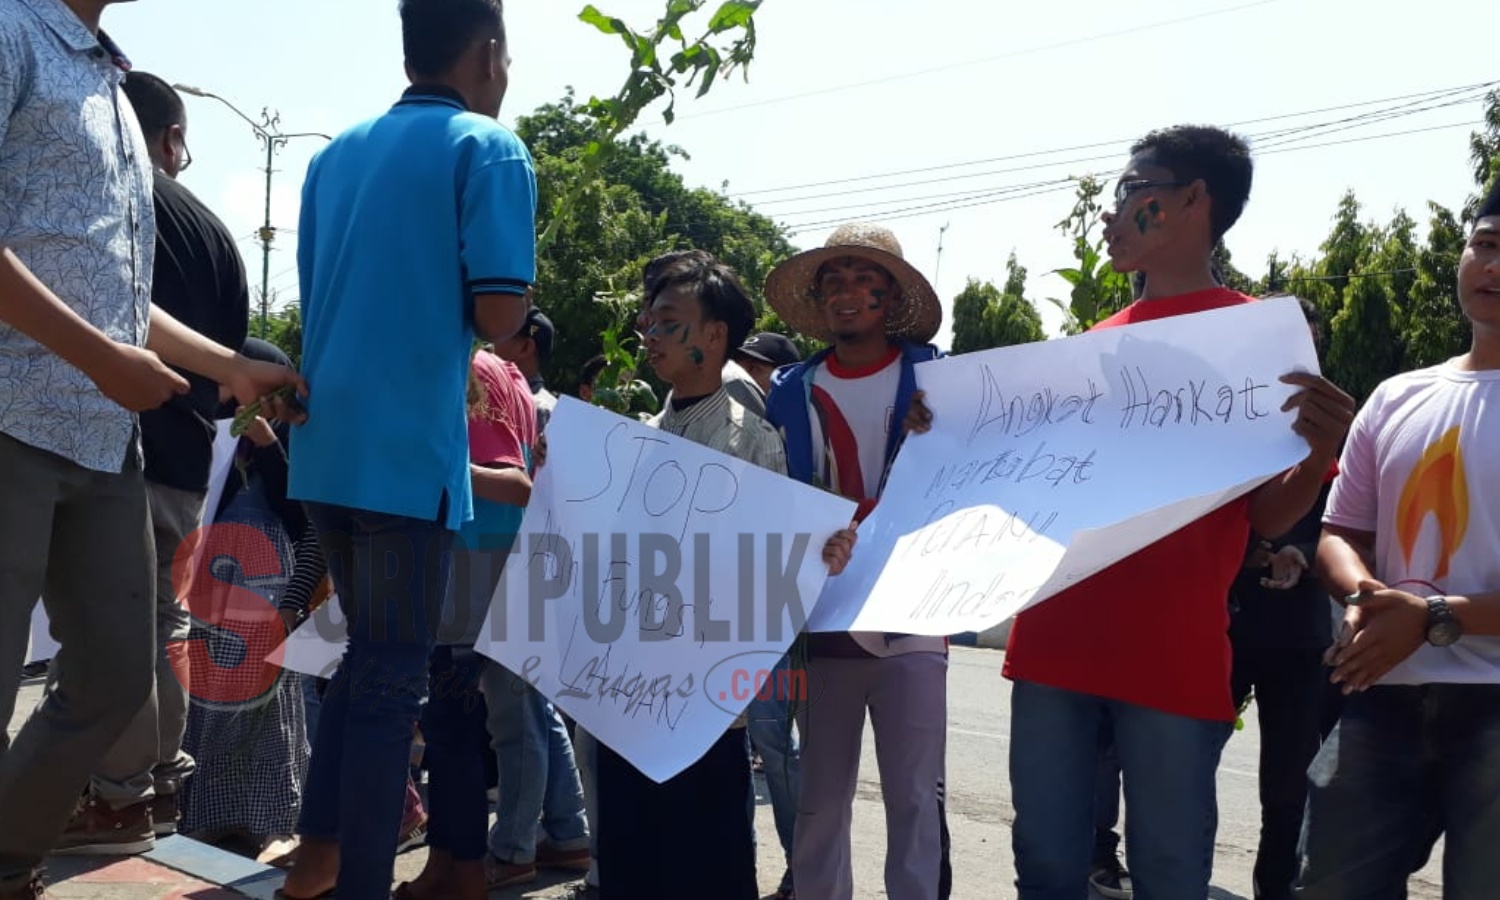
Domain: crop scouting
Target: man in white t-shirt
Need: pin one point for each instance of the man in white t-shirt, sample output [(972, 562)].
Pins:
[(1412, 540), (841, 414)]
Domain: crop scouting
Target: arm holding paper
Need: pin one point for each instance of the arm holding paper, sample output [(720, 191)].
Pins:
[(501, 484), (1324, 415)]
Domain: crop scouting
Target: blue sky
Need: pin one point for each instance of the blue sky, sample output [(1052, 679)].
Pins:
[(857, 88)]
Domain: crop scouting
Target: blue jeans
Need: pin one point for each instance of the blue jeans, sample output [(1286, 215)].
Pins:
[(770, 732), (539, 786), (1106, 798), (391, 575), (457, 744), (312, 704), (1171, 807), (1404, 765)]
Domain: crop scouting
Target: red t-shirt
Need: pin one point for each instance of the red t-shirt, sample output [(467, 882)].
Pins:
[(1152, 629), (505, 433)]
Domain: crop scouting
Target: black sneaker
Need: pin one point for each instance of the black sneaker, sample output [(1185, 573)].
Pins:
[(1110, 879)]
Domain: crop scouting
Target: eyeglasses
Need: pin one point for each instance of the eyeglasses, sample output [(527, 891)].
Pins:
[(1124, 189), (187, 158)]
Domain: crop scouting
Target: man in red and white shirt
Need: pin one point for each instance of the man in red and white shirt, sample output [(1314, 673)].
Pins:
[(840, 413)]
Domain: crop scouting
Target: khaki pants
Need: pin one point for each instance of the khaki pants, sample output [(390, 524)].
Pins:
[(148, 758), (81, 540), (907, 698)]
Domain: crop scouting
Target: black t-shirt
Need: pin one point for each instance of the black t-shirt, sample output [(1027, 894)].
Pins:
[(1296, 619), (200, 280)]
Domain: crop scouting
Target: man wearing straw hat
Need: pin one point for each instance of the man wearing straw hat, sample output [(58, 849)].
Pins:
[(841, 413)]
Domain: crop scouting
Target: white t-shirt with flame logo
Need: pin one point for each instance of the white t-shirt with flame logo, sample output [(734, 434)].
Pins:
[(1421, 469)]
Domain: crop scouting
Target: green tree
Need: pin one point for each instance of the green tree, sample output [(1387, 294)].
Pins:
[(1346, 245), (1098, 290), (1015, 277), (1364, 347), (1365, 344), (625, 211), (662, 60), (1228, 274), (1484, 154), (284, 329), (969, 307), (1436, 329), (1276, 279), (985, 316)]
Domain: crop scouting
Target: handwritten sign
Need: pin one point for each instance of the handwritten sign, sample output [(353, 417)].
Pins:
[(655, 583), (1048, 462)]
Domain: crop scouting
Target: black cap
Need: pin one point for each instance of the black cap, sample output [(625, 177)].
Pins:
[(770, 347), (539, 328)]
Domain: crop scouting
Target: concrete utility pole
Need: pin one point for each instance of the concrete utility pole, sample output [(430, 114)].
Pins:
[(268, 130)]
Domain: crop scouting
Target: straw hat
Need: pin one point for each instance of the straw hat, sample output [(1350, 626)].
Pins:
[(791, 288)]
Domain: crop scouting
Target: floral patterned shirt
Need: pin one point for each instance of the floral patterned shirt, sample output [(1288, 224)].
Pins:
[(76, 209)]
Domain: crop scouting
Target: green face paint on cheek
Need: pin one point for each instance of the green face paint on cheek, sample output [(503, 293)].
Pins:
[(697, 355), (1148, 214)]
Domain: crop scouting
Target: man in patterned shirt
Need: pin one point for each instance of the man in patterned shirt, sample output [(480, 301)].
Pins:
[(81, 351)]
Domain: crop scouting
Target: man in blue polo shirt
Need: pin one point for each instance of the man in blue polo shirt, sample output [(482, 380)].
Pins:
[(417, 231)]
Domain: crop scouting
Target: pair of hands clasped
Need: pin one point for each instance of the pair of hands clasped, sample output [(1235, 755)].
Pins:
[(1382, 627)]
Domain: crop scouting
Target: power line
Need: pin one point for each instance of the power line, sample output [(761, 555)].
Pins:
[(982, 198), (1441, 93), (1289, 139), (909, 212), (1011, 54)]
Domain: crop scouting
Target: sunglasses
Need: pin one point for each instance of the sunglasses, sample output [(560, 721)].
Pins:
[(1124, 189)]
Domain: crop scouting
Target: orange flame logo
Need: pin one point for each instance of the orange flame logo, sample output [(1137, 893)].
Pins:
[(1439, 488)]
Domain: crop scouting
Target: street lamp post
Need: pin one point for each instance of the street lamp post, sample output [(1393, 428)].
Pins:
[(268, 130)]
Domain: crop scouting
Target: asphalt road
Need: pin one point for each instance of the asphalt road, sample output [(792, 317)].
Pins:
[(979, 803)]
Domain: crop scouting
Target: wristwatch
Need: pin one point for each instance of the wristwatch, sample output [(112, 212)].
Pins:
[(1443, 627)]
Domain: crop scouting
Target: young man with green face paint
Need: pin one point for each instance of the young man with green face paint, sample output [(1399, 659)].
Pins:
[(696, 314), (1150, 657)]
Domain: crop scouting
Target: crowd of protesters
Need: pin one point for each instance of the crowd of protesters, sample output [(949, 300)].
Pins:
[(1355, 597)]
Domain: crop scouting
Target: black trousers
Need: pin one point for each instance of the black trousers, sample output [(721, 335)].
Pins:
[(684, 839), (1290, 696)]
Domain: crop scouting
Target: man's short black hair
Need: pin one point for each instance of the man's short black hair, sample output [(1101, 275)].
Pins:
[(1220, 158), (1490, 205), (436, 33), (591, 370), (654, 269), (716, 286), (157, 104)]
